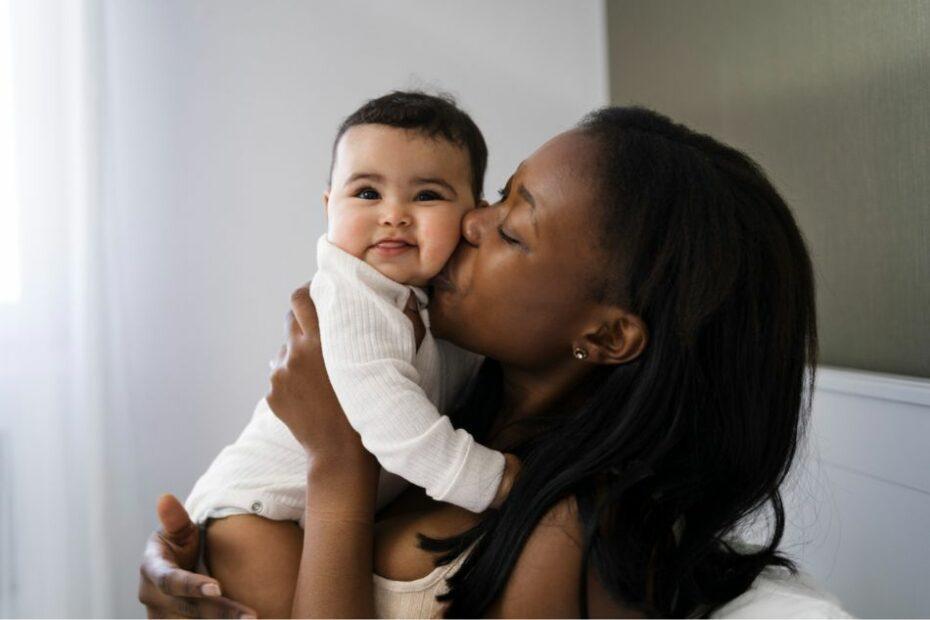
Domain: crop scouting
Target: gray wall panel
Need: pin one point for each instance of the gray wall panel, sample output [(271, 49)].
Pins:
[(832, 98)]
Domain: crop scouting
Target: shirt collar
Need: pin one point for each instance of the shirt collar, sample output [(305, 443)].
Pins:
[(331, 257)]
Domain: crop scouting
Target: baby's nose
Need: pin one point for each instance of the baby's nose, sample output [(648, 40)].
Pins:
[(395, 214)]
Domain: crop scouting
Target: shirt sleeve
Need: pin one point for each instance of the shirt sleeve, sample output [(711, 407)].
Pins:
[(262, 473), (369, 348)]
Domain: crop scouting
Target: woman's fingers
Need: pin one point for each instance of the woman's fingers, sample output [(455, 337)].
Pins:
[(176, 544), (176, 523), (292, 326), (168, 590), (222, 607), (304, 310), (161, 605), (159, 568)]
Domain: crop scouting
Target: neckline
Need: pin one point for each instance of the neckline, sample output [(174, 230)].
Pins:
[(330, 255), (422, 583)]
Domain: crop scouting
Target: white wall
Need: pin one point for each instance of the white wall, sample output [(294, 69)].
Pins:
[(858, 504), (218, 119)]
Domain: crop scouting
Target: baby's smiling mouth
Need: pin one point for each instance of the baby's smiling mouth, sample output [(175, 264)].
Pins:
[(393, 246)]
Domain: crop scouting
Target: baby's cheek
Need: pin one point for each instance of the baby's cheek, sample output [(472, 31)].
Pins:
[(438, 237), (351, 230)]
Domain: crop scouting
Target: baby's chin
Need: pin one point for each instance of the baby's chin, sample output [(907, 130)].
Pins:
[(404, 274)]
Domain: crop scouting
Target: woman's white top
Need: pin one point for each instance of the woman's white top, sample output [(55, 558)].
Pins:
[(417, 598), (392, 393), (775, 593)]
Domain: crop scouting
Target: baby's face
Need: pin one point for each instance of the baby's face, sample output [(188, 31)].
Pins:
[(396, 200)]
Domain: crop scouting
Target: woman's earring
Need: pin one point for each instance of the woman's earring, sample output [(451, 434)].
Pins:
[(580, 354)]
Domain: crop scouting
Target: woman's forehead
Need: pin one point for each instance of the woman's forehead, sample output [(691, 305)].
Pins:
[(560, 175)]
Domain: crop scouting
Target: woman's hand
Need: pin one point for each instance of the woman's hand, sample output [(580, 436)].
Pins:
[(168, 587), (302, 396)]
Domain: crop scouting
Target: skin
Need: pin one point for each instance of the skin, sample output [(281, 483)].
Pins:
[(516, 289), (395, 184), (396, 200)]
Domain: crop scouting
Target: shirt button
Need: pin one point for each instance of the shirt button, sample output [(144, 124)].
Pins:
[(257, 507)]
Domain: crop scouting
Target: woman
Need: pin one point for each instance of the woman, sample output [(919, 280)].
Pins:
[(646, 304)]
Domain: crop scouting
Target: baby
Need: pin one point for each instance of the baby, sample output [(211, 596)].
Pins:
[(406, 167)]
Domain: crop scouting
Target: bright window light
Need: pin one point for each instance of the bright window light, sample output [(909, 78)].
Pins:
[(10, 285)]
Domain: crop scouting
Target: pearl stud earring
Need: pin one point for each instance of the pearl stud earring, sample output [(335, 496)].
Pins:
[(580, 353)]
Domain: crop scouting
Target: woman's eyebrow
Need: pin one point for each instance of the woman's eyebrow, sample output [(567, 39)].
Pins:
[(437, 181), (528, 197)]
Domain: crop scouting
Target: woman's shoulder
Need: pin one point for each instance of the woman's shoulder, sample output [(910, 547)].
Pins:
[(545, 581), (565, 518)]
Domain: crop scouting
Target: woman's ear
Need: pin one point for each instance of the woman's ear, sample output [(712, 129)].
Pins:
[(619, 337)]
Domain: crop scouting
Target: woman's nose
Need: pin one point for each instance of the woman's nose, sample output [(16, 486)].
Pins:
[(474, 223)]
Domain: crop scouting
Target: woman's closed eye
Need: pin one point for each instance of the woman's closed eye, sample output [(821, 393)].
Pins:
[(507, 238)]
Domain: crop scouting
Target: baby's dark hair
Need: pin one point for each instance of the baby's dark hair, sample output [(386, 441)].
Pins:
[(435, 116)]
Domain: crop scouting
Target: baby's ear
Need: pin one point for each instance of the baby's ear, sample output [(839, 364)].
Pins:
[(326, 202)]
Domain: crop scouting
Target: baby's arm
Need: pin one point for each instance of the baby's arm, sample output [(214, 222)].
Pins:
[(368, 346)]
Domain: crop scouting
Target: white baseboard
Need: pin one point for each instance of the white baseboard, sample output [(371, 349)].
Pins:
[(911, 390), (859, 504)]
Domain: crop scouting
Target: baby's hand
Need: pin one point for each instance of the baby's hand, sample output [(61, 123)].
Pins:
[(512, 466)]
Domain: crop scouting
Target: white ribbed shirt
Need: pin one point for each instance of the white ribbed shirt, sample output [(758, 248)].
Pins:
[(391, 392)]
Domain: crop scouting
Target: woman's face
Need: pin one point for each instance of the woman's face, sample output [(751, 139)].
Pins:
[(518, 287)]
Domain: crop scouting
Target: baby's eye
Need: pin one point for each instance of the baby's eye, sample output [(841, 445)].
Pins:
[(428, 195), (367, 194)]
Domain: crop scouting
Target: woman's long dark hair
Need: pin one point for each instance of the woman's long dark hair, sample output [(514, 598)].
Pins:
[(673, 451)]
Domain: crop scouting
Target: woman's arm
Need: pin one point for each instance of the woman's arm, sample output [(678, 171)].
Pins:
[(335, 575), (335, 578)]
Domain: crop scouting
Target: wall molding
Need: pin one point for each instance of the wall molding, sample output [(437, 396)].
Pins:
[(880, 386), (860, 504)]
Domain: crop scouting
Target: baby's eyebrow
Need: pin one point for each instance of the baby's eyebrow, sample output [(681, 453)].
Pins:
[(371, 176), (437, 181)]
